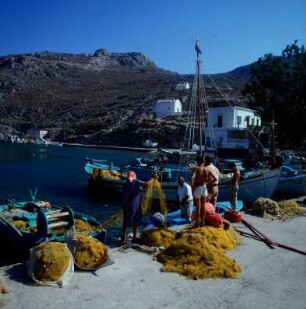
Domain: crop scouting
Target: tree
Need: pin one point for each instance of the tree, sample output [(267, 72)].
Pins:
[(278, 84)]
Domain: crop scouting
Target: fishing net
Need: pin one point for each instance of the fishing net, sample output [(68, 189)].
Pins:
[(270, 209), (90, 253), (82, 226), (289, 208), (154, 193), (100, 173), (200, 253), (264, 207), (20, 224), (157, 237), (50, 263)]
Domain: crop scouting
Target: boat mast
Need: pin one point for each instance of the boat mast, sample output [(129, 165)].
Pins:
[(199, 102), (273, 151)]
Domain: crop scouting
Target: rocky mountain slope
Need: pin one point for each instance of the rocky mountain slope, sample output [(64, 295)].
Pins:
[(104, 98)]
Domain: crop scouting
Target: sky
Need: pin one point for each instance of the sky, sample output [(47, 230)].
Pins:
[(231, 33)]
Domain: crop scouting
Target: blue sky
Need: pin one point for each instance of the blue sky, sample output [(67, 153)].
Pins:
[(232, 33)]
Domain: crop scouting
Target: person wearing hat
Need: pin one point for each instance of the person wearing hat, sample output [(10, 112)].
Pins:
[(131, 203)]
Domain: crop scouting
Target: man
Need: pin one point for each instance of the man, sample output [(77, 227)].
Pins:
[(185, 199), (199, 180), (212, 186), (234, 185)]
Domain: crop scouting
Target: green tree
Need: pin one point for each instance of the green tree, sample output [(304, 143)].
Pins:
[(278, 84)]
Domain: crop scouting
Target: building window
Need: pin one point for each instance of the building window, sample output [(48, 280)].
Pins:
[(247, 119), (219, 125), (239, 121)]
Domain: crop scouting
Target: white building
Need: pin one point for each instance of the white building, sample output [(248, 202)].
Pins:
[(182, 86), (229, 127), (37, 134), (168, 107)]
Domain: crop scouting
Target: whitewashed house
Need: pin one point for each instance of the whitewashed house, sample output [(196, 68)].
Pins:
[(37, 134), (182, 86), (168, 107), (228, 127)]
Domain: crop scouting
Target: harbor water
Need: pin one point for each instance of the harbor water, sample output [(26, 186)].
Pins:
[(56, 174)]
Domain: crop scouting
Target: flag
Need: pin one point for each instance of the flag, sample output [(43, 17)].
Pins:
[(197, 48)]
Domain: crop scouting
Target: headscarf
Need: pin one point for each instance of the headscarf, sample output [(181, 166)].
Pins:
[(131, 175)]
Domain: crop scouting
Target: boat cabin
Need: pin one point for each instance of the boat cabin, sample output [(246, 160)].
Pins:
[(168, 107)]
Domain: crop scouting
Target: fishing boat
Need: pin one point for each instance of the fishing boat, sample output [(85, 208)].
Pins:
[(253, 184), (24, 224), (291, 181)]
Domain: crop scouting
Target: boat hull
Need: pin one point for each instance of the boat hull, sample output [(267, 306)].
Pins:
[(292, 185), (261, 183)]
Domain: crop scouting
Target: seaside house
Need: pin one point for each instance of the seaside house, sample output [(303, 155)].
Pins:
[(232, 129), (182, 86), (168, 107), (36, 134)]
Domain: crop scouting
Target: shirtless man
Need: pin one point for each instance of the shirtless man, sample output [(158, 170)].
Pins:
[(212, 185), (199, 180)]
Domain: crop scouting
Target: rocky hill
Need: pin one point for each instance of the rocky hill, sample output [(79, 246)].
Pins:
[(103, 98)]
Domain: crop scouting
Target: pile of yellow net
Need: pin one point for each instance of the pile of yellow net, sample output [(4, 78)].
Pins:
[(51, 261), (200, 253), (154, 191), (90, 253), (20, 224), (157, 237), (100, 173), (289, 208), (82, 226)]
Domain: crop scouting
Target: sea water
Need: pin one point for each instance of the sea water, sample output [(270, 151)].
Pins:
[(56, 174)]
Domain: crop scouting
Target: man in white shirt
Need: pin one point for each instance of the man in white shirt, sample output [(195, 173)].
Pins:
[(185, 198)]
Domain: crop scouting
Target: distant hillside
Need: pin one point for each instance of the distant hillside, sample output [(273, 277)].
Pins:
[(99, 98)]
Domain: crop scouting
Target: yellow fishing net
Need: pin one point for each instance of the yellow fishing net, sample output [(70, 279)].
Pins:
[(82, 226), (90, 253), (289, 208), (200, 253), (100, 173), (51, 261), (154, 191), (157, 237), (20, 224)]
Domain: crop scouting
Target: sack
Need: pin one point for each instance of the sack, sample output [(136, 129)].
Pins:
[(158, 219)]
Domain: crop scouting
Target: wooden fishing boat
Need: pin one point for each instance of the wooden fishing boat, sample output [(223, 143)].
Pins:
[(24, 224), (291, 181), (253, 184)]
